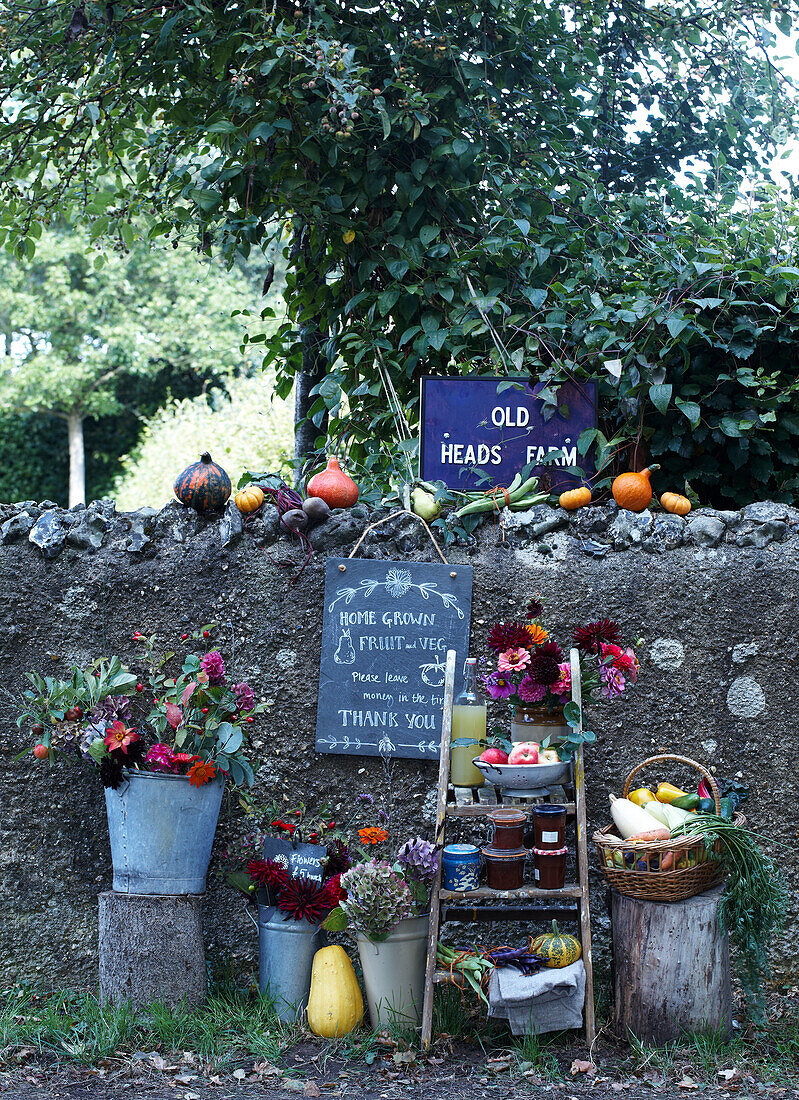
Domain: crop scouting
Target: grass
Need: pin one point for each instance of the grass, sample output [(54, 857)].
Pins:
[(74, 1027)]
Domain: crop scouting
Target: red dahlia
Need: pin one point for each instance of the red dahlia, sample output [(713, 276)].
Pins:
[(588, 638), (504, 636), (534, 609), (304, 899), (332, 892), (265, 872), (543, 667)]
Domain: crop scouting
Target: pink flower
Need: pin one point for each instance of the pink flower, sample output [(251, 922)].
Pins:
[(513, 660), (162, 758), (531, 692), (498, 686), (245, 697), (624, 660), (214, 667), (563, 684), (613, 681)]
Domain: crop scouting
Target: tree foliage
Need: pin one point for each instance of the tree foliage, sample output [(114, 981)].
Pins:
[(470, 185)]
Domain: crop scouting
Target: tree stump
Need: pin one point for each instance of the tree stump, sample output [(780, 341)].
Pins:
[(671, 966), (151, 949)]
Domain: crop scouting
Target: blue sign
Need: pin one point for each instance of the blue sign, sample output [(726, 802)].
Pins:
[(469, 430)]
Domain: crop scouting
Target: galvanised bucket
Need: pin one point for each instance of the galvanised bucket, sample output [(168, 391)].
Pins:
[(393, 973), (285, 951), (162, 831)]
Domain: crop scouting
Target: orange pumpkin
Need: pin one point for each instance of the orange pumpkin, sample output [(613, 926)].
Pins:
[(249, 499), (336, 488), (633, 491), (573, 499), (675, 503)]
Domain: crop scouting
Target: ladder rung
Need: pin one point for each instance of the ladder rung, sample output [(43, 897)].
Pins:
[(495, 911), (441, 977), (571, 891), (470, 809)]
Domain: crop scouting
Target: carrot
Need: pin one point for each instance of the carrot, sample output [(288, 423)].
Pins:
[(651, 835)]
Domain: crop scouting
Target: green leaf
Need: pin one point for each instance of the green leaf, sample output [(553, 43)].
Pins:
[(398, 268), (428, 233), (336, 920), (660, 396), (676, 324), (690, 409), (571, 712)]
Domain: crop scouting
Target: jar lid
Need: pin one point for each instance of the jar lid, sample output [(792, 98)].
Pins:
[(550, 852), (547, 809), (505, 853), (508, 816), (461, 850)]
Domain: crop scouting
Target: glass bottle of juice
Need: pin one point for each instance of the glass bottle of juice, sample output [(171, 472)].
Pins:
[(468, 721)]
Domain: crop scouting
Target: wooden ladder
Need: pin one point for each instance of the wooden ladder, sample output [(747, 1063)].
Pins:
[(572, 901)]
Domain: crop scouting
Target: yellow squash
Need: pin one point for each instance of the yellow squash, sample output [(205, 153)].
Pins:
[(667, 792), (641, 796), (335, 1005), (558, 949)]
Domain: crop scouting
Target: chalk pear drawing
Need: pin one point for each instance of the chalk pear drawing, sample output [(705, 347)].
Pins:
[(345, 654), (386, 746)]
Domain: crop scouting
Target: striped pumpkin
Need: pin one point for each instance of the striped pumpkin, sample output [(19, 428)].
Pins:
[(556, 948), (204, 486)]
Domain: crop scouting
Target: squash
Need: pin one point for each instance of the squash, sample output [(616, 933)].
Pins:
[(628, 818), (573, 499), (675, 503), (335, 1004), (204, 486), (557, 948), (336, 488), (249, 499), (633, 491)]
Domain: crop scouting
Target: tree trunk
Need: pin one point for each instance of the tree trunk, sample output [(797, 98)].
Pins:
[(314, 360), (671, 963), (151, 949), (77, 460)]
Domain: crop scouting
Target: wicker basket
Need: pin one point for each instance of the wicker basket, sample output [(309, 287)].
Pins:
[(647, 878)]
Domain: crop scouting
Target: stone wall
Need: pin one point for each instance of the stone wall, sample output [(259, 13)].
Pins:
[(714, 598)]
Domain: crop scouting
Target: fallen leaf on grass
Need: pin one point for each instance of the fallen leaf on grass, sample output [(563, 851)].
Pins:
[(266, 1069), (401, 1056), (729, 1076), (687, 1083), (311, 1089), (293, 1084), (581, 1066), (498, 1065), (239, 1074)]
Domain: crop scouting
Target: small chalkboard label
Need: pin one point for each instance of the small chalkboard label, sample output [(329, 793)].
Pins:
[(386, 630), (300, 860)]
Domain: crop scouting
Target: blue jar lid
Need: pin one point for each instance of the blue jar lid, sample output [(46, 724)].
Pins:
[(461, 852)]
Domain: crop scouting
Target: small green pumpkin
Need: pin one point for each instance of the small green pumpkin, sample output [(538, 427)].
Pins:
[(204, 486), (557, 948)]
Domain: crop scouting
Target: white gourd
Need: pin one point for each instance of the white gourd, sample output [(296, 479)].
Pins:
[(628, 818), (671, 816)]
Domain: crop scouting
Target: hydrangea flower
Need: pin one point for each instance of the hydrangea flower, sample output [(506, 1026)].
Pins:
[(214, 667), (245, 697), (378, 898), (418, 858)]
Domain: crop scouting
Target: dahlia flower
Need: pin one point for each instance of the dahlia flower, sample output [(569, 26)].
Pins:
[(245, 697), (214, 667), (544, 665), (588, 638), (162, 758), (531, 692), (613, 681), (503, 636), (563, 684)]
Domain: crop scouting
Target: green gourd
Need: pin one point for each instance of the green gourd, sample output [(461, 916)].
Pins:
[(558, 949)]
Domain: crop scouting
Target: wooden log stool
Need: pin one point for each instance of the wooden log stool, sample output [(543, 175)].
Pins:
[(671, 966), (151, 949)]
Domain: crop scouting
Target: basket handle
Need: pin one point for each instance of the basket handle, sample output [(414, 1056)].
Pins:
[(680, 760)]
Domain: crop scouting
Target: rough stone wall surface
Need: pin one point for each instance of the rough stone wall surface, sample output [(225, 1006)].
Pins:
[(714, 598)]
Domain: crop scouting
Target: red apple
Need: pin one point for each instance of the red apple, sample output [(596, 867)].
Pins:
[(526, 752), (494, 756)]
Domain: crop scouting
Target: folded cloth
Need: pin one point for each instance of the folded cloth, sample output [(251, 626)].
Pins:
[(550, 1000)]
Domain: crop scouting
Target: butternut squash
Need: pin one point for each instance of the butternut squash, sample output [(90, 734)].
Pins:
[(335, 1005)]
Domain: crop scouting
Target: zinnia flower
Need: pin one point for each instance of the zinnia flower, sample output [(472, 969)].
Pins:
[(118, 736), (563, 684), (201, 773), (162, 759), (513, 660), (623, 659), (588, 638), (498, 686), (612, 681), (531, 692), (544, 665), (504, 636), (536, 634), (214, 667), (245, 697), (372, 835), (303, 899), (534, 608)]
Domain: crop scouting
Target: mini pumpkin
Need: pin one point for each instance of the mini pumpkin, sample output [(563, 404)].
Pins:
[(336, 488), (556, 948), (335, 1004), (204, 486), (633, 491), (573, 499), (249, 499), (675, 503)]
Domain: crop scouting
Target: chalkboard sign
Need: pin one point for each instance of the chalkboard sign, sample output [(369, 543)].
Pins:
[(298, 859), (468, 428), (386, 630)]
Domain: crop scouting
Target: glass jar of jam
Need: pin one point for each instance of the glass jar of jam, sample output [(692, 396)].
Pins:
[(550, 868), (507, 828), (505, 867), (549, 827)]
